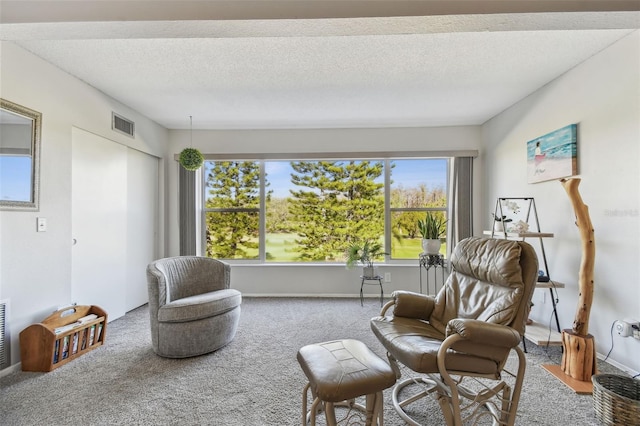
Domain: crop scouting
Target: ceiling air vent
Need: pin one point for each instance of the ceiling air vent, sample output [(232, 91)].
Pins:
[(122, 125)]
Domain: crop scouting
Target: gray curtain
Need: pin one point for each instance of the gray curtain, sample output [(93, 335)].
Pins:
[(461, 200), (187, 196)]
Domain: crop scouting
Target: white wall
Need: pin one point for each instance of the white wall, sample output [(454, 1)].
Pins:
[(306, 279), (35, 268), (602, 95)]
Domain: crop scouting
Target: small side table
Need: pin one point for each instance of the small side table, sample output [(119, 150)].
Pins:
[(428, 261), (378, 280)]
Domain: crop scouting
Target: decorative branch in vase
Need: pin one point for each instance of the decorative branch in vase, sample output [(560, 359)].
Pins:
[(579, 354)]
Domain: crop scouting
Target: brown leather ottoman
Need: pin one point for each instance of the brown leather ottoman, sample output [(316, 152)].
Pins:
[(338, 372)]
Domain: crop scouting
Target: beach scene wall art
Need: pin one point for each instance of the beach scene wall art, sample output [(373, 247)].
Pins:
[(553, 156)]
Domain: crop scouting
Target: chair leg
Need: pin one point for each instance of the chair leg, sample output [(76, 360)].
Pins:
[(316, 407), (453, 400), (378, 411), (517, 388), (330, 414), (304, 405), (370, 410), (314, 411), (445, 407), (506, 404), (374, 409)]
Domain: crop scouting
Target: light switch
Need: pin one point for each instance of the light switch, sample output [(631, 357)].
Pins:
[(42, 224)]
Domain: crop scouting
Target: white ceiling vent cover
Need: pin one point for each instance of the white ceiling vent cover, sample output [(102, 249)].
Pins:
[(123, 125)]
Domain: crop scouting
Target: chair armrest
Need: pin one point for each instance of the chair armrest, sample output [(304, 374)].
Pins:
[(485, 333), (412, 305)]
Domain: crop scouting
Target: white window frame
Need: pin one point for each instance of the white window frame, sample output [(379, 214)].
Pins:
[(386, 157)]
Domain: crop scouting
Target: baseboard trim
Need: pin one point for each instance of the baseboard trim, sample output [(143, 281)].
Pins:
[(11, 369), (619, 366)]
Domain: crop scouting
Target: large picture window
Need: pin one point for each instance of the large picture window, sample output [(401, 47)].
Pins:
[(312, 210)]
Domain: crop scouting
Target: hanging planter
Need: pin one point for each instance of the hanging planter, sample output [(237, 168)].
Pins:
[(191, 159)]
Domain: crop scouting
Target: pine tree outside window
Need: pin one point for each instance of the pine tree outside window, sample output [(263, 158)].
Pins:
[(232, 209), (312, 210)]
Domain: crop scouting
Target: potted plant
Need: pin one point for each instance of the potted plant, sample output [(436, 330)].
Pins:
[(191, 159), (365, 254), (432, 228), (498, 225)]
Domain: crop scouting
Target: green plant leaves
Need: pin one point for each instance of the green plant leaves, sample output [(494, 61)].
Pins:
[(191, 159), (433, 226)]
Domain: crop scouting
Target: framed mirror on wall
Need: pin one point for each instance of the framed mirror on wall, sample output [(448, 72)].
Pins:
[(19, 157)]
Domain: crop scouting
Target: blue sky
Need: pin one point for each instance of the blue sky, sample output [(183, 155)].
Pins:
[(15, 178), (408, 173), (412, 173)]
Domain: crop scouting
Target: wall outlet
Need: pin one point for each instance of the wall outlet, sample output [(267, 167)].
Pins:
[(635, 329), (627, 327), (387, 277)]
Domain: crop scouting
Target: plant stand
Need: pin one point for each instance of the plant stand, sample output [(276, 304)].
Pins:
[(428, 261), (365, 280), (371, 272)]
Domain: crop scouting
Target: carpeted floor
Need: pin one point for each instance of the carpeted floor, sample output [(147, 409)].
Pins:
[(256, 380)]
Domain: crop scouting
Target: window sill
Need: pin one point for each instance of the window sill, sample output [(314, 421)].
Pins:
[(250, 264)]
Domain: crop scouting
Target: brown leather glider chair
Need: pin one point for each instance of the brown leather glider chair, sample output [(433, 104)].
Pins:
[(464, 334)]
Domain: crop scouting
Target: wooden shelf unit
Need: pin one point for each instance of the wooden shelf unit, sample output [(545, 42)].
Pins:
[(542, 335), (42, 349), (506, 235), (539, 334), (549, 284)]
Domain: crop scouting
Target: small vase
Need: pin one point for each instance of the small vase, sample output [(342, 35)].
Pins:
[(369, 271), (498, 226), (431, 246)]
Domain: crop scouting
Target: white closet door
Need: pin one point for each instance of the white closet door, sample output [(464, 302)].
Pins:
[(142, 224), (99, 222)]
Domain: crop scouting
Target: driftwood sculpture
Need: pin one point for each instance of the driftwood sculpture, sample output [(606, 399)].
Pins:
[(579, 356)]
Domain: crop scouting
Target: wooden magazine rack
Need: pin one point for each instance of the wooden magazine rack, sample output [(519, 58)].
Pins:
[(62, 337)]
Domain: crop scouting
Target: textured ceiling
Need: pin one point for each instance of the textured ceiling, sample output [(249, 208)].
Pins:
[(320, 73)]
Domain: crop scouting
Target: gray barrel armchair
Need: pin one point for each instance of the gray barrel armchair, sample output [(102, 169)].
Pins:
[(192, 310)]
